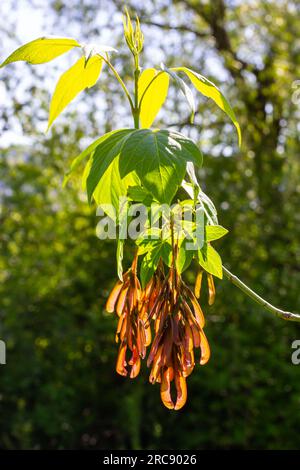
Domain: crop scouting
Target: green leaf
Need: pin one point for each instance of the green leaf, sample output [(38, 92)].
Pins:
[(156, 250), (104, 155), (166, 253), (41, 50), (189, 150), (86, 153), (185, 89), (149, 265), (155, 85), (214, 232), (159, 158), (111, 187), (144, 246), (102, 176), (148, 238), (184, 257), (139, 194), (162, 249), (120, 253), (211, 261), (209, 89), (80, 76)]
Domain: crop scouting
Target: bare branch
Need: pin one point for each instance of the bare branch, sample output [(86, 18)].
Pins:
[(276, 311), (181, 28)]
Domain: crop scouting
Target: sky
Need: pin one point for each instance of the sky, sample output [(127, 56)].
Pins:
[(33, 19)]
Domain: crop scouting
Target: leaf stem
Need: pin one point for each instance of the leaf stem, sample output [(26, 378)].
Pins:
[(107, 61), (136, 108), (276, 311), (173, 266)]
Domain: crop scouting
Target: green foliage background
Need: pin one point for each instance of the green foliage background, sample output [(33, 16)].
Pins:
[(59, 388)]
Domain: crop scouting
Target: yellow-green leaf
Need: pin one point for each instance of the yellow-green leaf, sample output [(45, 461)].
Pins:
[(41, 50), (112, 187), (211, 261), (155, 94), (209, 89), (214, 232), (80, 76)]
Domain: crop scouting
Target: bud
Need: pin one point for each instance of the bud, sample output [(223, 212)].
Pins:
[(133, 36)]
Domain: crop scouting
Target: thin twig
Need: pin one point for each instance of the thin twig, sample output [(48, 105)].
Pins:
[(181, 28), (107, 61), (276, 311)]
